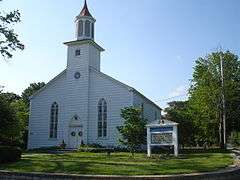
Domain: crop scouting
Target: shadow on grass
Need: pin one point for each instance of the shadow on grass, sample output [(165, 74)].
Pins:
[(121, 164)]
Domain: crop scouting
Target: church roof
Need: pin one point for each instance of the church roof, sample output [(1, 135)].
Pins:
[(126, 86), (85, 11), (103, 75)]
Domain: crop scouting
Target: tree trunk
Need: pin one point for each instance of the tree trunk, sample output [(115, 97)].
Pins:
[(221, 135)]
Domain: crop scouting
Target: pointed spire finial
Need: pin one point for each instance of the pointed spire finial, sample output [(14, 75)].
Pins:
[(85, 11)]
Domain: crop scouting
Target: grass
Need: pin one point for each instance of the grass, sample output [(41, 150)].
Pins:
[(119, 163)]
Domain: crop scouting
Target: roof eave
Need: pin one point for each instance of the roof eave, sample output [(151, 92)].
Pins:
[(79, 42)]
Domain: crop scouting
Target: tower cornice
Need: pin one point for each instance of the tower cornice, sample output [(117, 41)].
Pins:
[(87, 41)]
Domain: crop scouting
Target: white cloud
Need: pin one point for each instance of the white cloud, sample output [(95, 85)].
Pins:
[(179, 91)]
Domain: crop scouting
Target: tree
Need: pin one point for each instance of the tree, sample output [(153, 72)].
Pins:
[(205, 96), (22, 115), (133, 131), (1, 88), (27, 93), (8, 38), (11, 97), (178, 111), (10, 125)]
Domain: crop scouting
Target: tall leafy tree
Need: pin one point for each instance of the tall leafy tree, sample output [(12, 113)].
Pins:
[(205, 95), (133, 131), (11, 97), (10, 129), (22, 115), (178, 111), (33, 88), (8, 38)]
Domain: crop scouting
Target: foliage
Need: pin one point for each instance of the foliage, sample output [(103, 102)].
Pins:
[(133, 131), (9, 154), (14, 115), (33, 88), (119, 163), (10, 129), (205, 96), (178, 111), (11, 97), (8, 38), (63, 144), (22, 116), (200, 118)]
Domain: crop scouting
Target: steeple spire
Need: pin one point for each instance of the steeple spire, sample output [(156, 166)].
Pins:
[(85, 11), (85, 24)]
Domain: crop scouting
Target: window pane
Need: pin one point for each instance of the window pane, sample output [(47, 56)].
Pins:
[(92, 30), (102, 118), (104, 132), (87, 28), (78, 52), (80, 28), (105, 129), (53, 121), (99, 132)]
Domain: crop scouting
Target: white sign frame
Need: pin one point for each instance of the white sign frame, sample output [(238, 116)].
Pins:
[(174, 132)]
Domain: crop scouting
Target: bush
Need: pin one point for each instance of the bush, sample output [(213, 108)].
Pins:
[(10, 154), (84, 146), (202, 150)]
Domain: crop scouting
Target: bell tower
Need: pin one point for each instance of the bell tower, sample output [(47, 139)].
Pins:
[(85, 24), (83, 53)]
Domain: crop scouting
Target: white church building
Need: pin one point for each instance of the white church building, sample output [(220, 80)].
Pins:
[(82, 104)]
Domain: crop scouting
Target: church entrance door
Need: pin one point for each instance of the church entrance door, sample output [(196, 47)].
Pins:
[(75, 137)]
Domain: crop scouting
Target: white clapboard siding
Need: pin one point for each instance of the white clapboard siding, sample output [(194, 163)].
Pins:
[(117, 97), (39, 120), (149, 108)]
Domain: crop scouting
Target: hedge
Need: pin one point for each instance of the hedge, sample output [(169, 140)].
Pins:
[(10, 154)]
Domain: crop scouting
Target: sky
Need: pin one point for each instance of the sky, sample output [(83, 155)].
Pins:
[(150, 45)]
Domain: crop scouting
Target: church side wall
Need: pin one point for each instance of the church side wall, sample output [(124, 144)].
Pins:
[(39, 120), (149, 110), (94, 57), (117, 97)]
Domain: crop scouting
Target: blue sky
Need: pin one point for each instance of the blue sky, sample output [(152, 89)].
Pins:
[(150, 44)]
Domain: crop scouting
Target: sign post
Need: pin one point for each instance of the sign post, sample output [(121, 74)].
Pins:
[(162, 133)]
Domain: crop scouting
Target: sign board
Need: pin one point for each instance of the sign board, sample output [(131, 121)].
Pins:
[(162, 134), (162, 138), (160, 129)]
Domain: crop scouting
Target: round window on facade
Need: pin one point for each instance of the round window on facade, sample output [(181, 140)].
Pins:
[(73, 134), (77, 75), (80, 133)]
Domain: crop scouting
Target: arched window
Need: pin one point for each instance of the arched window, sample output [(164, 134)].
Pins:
[(92, 30), (53, 120), (102, 118), (80, 28), (87, 28)]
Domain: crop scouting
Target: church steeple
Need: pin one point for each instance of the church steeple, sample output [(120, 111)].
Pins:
[(85, 11), (85, 24)]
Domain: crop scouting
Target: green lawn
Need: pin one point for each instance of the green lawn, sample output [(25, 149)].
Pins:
[(119, 163)]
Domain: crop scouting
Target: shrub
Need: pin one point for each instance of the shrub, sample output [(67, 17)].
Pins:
[(85, 146), (63, 145), (9, 154), (44, 149)]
